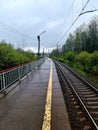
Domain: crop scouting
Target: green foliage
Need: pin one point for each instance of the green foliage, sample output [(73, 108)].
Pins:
[(87, 62), (82, 57), (69, 43), (69, 57), (81, 48), (83, 61), (94, 58), (9, 57), (85, 38), (94, 61), (54, 53), (78, 66), (77, 47)]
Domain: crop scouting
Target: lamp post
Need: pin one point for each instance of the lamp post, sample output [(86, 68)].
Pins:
[(38, 37)]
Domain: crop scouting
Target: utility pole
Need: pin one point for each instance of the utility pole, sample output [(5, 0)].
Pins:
[(38, 37), (43, 52), (57, 50), (48, 53)]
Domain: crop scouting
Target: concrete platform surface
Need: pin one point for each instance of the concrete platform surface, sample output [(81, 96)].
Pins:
[(24, 107)]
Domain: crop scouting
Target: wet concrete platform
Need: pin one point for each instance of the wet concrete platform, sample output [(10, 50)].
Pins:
[(24, 107)]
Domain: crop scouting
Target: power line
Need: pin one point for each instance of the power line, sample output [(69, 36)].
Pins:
[(92, 5), (69, 10), (82, 3), (9, 28), (75, 20), (68, 13)]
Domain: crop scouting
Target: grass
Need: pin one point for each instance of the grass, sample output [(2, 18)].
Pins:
[(93, 78)]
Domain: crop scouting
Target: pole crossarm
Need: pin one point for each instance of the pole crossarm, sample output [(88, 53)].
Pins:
[(88, 12)]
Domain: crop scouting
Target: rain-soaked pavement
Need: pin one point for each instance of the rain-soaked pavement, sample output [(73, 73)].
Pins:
[(24, 107)]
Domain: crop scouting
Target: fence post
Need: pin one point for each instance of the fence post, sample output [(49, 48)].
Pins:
[(27, 71), (4, 87), (19, 76)]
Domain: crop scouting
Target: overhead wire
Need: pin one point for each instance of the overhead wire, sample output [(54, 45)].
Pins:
[(74, 21), (82, 3), (92, 5), (9, 28), (67, 14), (69, 10)]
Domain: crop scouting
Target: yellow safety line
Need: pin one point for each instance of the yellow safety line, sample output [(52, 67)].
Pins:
[(47, 117)]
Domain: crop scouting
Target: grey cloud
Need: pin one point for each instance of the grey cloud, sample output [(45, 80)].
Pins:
[(34, 16)]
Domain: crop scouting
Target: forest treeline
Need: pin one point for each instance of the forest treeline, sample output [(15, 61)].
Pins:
[(81, 48), (10, 57), (85, 38)]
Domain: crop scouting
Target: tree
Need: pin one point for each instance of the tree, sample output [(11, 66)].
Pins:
[(92, 43), (10, 57)]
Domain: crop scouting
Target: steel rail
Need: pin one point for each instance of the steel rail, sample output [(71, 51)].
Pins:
[(60, 67), (76, 74)]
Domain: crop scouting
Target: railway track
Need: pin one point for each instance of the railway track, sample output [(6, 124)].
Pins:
[(83, 95)]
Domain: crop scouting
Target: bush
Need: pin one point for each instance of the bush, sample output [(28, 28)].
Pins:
[(69, 57), (94, 61), (9, 57), (84, 58)]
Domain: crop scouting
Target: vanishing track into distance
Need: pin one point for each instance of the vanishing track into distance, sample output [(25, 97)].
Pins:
[(84, 96)]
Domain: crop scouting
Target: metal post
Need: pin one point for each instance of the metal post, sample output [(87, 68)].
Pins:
[(43, 52), (4, 87), (38, 37), (27, 70), (57, 50), (19, 73)]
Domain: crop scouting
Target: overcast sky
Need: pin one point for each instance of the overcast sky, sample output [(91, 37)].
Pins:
[(31, 17)]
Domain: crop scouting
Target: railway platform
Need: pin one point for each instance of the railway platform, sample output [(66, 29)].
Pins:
[(36, 103)]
